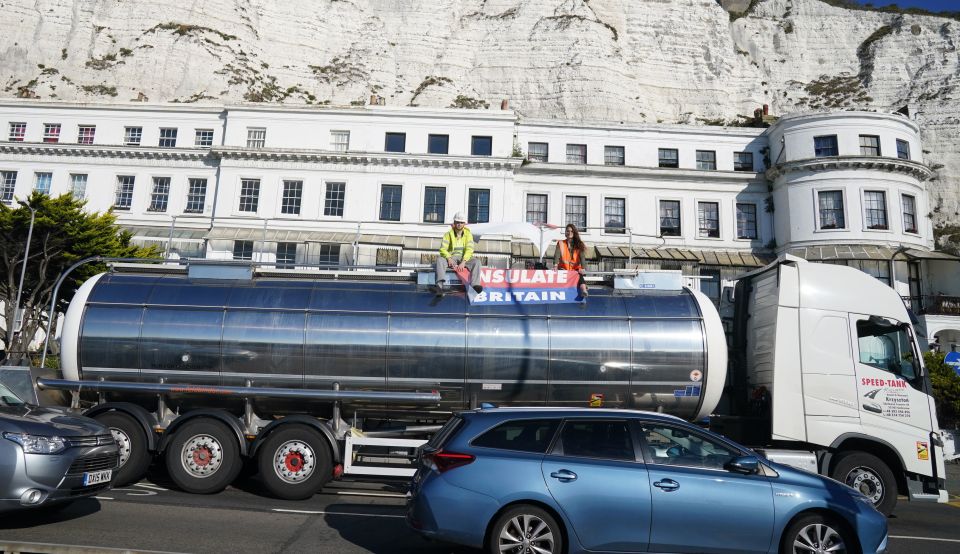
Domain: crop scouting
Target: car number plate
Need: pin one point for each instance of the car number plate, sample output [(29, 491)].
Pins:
[(97, 477)]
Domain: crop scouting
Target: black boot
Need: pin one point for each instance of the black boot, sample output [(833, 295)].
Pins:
[(439, 289)]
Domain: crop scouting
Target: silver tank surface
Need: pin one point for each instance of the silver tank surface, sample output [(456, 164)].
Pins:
[(657, 350)]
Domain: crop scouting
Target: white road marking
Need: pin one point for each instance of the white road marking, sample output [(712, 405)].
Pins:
[(150, 486), (923, 538), (379, 494), (103, 497), (321, 512)]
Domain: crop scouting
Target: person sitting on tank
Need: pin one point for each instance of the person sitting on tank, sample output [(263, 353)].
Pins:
[(569, 255), (456, 252)]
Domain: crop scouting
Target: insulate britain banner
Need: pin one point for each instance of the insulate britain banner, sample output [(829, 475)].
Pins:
[(525, 286)]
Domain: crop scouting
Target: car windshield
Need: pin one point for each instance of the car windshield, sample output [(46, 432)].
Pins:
[(8, 398)]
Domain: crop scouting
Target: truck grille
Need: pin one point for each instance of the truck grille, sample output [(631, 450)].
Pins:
[(95, 440), (94, 463)]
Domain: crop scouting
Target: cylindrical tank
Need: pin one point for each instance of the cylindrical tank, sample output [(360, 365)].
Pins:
[(657, 350)]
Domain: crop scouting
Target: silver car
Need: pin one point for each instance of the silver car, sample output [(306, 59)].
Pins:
[(50, 456)]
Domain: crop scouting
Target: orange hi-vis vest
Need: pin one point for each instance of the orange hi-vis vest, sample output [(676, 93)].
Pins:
[(568, 259)]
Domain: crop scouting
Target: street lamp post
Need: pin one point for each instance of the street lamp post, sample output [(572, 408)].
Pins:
[(18, 313)]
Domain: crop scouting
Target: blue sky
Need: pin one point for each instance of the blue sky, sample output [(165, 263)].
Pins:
[(931, 5)]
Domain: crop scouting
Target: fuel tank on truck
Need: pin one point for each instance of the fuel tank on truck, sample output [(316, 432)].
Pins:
[(652, 350)]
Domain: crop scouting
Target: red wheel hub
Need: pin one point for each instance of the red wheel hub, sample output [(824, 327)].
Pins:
[(293, 461), (202, 456)]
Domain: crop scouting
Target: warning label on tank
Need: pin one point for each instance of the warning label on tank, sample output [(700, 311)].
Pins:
[(890, 402), (923, 452)]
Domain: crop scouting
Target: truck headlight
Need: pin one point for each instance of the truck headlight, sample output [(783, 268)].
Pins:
[(36, 444)]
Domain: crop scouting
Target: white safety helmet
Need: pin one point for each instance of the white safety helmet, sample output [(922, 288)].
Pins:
[(459, 218)]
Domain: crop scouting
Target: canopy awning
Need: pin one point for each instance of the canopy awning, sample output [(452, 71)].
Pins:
[(162, 233), (844, 252), (915, 254), (732, 258)]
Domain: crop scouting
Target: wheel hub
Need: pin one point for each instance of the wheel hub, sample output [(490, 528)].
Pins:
[(123, 443), (294, 461), (202, 456), (866, 481)]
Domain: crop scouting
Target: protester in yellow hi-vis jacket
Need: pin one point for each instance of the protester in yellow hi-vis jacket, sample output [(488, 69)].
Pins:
[(456, 252)]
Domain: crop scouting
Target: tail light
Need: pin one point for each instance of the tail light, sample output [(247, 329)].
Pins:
[(442, 461)]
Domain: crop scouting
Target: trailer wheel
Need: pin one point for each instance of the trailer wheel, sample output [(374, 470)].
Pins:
[(203, 457), (295, 462), (130, 437), (869, 475)]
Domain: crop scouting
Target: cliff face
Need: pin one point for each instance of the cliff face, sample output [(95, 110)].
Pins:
[(637, 60)]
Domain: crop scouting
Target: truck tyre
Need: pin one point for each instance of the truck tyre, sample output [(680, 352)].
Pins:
[(130, 437), (525, 528), (816, 533), (869, 475), (203, 457), (294, 462)]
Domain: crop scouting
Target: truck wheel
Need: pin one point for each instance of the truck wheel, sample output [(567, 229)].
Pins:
[(203, 456), (295, 462), (815, 533), (869, 475), (130, 437)]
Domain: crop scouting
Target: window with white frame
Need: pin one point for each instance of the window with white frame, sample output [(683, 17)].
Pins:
[(668, 157), (196, 196), (615, 215), (124, 193), (613, 155), (875, 209), (575, 211), (18, 131), (256, 137), (203, 138), (909, 214), (434, 204), (747, 221), (286, 255), (669, 218), (132, 136), (329, 254), (830, 205), (9, 184), (292, 196), (538, 151), (243, 250), (86, 133), (42, 181), (708, 219), (869, 145), (576, 153), (825, 146), (249, 195), (160, 195), (333, 199), (390, 198), (78, 185), (743, 161), (536, 208), (478, 206), (903, 149), (706, 159), (168, 137), (51, 132), (710, 284), (339, 141)]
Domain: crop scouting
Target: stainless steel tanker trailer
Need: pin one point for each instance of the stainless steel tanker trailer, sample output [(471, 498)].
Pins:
[(209, 372)]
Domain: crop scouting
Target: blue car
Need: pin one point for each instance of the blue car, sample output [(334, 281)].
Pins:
[(542, 480)]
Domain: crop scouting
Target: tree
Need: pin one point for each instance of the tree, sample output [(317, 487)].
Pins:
[(63, 233), (946, 389)]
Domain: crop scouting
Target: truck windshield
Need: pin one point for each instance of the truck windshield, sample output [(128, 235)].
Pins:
[(7, 398), (886, 346)]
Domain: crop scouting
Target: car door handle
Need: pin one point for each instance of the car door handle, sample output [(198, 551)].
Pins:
[(667, 485), (564, 475)]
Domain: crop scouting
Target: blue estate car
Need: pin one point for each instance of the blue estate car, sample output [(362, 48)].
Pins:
[(542, 480)]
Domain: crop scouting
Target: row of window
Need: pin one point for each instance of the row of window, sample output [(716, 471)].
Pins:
[(615, 155), (289, 254), (832, 213), (825, 146), (132, 136)]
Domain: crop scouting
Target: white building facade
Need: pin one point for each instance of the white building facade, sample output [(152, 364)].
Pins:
[(301, 187)]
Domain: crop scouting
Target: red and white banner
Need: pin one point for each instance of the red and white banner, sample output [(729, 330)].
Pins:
[(524, 286)]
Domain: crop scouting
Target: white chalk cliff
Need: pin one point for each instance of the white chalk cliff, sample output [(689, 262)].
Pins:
[(681, 61)]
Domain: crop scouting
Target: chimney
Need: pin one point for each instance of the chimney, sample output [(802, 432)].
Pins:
[(505, 104), (766, 109), (758, 114), (373, 99)]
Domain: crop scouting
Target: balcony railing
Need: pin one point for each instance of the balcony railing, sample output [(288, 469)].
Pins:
[(937, 304)]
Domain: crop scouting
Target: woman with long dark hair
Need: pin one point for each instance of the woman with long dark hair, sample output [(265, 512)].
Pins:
[(569, 255)]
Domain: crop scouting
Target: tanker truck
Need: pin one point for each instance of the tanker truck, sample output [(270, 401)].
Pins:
[(208, 371)]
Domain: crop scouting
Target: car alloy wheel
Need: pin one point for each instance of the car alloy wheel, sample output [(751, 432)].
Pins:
[(526, 530), (819, 538)]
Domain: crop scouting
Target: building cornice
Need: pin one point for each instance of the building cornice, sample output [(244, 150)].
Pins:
[(386, 159), (629, 172), (834, 163), (524, 124), (104, 151), (837, 116)]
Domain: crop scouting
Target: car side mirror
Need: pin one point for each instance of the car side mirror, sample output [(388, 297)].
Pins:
[(746, 465)]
